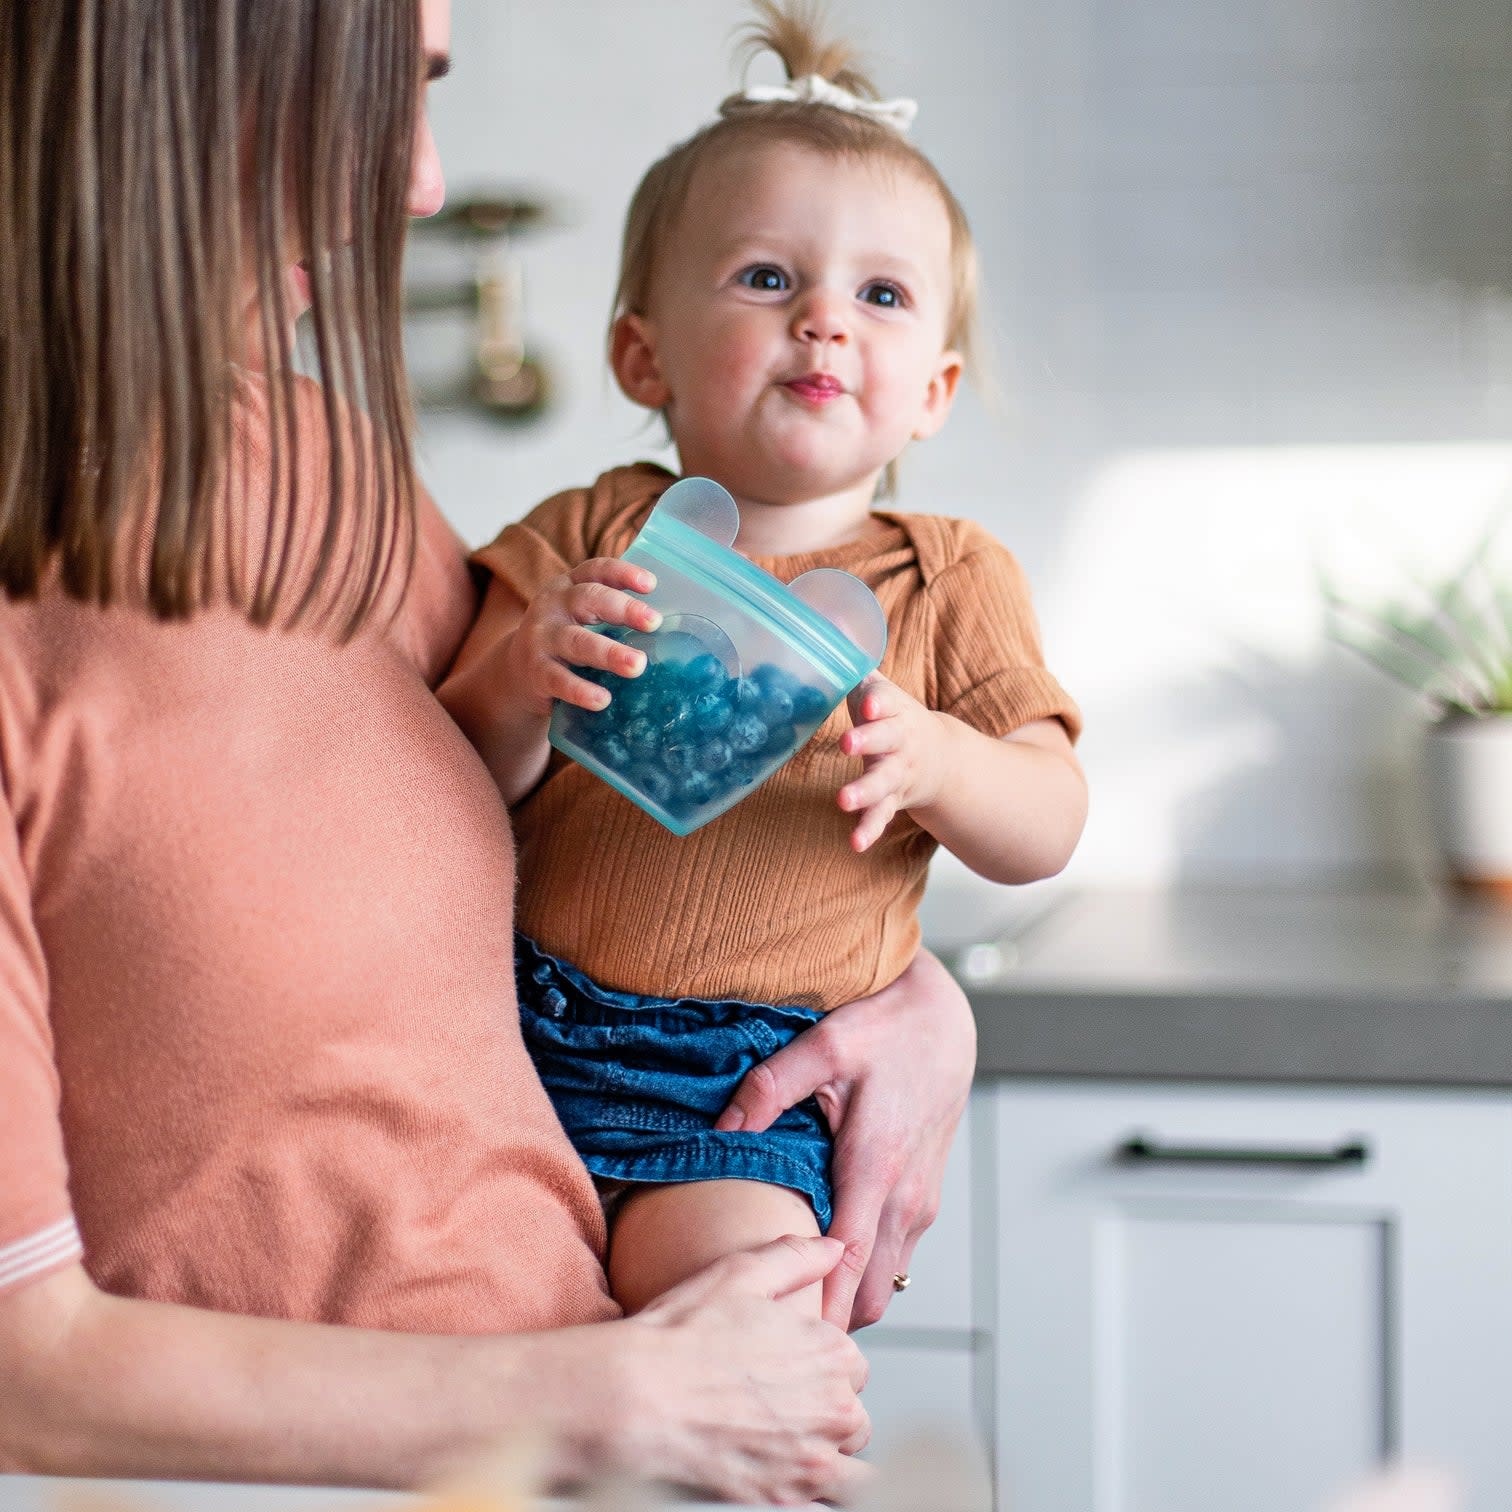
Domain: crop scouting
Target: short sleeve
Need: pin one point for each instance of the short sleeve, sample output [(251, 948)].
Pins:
[(570, 527), (38, 1234), (549, 541), (989, 669)]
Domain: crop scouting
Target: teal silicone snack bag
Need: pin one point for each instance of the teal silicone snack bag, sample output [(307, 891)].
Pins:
[(741, 673)]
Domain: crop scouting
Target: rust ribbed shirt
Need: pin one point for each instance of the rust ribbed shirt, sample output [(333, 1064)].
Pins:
[(768, 903), (259, 1046)]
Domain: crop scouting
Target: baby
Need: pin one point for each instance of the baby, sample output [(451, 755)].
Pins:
[(797, 298)]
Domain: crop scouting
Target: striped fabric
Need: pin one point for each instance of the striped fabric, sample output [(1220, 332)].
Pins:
[(769, 903), (45, 1250)]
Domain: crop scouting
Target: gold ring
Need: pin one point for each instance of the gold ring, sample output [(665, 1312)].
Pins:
[(902, 1281)]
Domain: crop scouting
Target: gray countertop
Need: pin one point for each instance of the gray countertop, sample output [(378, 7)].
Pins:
[(1252, 984)]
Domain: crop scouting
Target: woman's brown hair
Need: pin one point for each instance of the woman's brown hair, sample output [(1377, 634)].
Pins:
[(148, 150)]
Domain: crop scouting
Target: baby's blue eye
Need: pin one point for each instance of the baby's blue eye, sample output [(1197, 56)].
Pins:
[(885, 296), (763, 276)]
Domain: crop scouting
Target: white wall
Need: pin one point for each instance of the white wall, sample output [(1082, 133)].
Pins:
[(1246, 261)]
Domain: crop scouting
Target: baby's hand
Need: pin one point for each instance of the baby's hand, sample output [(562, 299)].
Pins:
[(903, 747), (552, 636)]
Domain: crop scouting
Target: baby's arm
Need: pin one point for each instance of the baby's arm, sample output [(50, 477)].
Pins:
[(518, 657), (1012, 808)]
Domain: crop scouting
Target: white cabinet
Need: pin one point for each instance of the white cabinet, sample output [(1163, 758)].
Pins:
[(929, 1360), (1243, 1297), (918, 1388)]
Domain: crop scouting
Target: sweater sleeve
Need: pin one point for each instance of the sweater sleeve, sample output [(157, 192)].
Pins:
[(38, 1234), (989, 669), (570, 527), (550, 540)]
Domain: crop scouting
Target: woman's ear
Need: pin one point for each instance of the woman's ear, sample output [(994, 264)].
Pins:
[(939, 395), (632, 355)]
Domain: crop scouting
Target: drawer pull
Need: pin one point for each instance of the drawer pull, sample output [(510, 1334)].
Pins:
[(1142, 1149)]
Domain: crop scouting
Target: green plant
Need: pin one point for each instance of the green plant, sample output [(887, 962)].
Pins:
[(1449, 640)]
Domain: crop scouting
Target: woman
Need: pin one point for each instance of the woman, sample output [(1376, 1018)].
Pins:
[(260, 1074)]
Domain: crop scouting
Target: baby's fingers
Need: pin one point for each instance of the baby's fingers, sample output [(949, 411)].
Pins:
[(875, 698), (614, 572), (878, 737), (876, 819), (580, 647), (883, 776), (594, 601)]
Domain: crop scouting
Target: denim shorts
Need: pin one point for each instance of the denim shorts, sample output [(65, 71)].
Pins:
[(638, 1081)]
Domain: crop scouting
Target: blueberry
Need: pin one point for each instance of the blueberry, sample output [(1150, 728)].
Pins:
[(634, 699), (668, 703), (642, 736), (747, 734), (776, 706), (680, 758), (705, 671), (771, 678), (695, 790), (744, 774), (715, 756), (710, 712), (780, 737), (654, 783), (611, 749), (748, 694), (676, 721), (809, 706)]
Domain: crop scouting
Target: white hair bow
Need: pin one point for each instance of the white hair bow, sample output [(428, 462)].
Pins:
[(814, 89)]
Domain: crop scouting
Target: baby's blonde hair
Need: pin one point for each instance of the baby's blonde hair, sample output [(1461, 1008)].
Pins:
[(793, 30)]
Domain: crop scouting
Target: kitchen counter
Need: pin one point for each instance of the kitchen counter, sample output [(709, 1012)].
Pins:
[(1250, 984)]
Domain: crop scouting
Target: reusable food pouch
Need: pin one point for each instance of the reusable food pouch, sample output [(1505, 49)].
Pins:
[(741, 673)]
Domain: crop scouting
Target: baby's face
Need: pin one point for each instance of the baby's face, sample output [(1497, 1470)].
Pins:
[(798, 322)]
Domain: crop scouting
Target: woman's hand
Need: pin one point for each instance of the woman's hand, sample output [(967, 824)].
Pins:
[(721, 1389), (892, 1073), (718, 1385)]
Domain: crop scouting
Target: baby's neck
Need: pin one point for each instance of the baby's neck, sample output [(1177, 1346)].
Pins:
[(768, 530)]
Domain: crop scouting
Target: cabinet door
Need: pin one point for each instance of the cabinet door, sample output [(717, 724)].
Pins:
[(940, 1290), (917, 1389), (1268, 1294), (928, 1358)]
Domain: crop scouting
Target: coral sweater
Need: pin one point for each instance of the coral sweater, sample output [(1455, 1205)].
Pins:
[(258, 1038)]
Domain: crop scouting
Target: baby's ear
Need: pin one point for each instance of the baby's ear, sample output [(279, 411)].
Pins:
[(632, 355), (939, 396)]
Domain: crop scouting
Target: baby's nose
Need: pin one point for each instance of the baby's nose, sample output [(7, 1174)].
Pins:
[(821, 316)]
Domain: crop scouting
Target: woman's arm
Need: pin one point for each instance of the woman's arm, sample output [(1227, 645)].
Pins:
[(892, 1073), (715, 1386)]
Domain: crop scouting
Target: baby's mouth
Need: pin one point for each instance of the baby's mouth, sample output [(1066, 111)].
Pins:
[(817, 388)]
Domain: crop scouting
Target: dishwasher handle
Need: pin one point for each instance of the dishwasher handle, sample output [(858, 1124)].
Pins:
[(1147, 1150)]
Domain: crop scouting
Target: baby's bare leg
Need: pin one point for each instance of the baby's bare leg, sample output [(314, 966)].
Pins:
[(663, 1234)]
